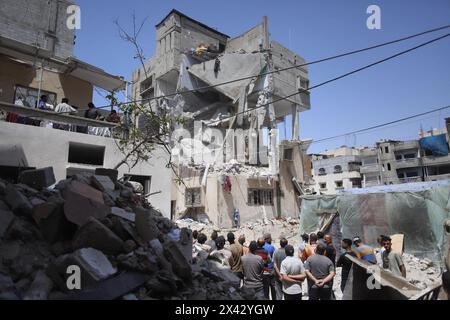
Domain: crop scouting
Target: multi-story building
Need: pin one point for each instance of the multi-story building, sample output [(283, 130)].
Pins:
[(36, 58), (336, 170), (267, 176)]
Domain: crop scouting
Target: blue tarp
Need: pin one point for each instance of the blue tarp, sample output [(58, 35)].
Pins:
[(436, 144)]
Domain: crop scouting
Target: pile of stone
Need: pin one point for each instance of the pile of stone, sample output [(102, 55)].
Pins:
[(94, 237), (422, 273)]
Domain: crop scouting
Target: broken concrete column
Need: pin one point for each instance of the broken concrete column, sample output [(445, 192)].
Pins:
[(180, 265), (18, 203), (82, 202), (38, 178), (40, 287), (6, 217), (94, 234), (146, 225), (111, 173)]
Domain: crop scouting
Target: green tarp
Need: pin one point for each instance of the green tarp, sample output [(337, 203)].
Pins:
[(416, 210)]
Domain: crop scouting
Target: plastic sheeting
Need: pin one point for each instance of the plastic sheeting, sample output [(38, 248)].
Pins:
[(436, 144), (418, 213)]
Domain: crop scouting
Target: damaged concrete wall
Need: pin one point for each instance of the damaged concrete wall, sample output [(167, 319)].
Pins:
[(248, 41), (38, 22), (51, 146)]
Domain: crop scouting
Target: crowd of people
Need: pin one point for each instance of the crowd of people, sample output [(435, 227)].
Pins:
[(64, 108), (279, 273)]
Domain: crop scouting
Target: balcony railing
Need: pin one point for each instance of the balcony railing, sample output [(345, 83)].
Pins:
[(60, 121)]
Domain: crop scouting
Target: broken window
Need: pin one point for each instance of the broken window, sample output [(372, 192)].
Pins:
[(338, 169), (145, 181), (339, 184), (260, 197), (322, 172), (386, 149), (389, 167), (323, 185), (29, 96), (193, 197)]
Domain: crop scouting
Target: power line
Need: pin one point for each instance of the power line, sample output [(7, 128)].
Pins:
[(287, 68), (337, 78), (381, 125)]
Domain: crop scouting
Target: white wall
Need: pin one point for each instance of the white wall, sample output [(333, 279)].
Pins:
[(42, 147)]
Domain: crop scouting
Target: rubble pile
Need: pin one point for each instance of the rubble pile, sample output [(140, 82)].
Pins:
[(122, 247), (278, 228), (422, 273)]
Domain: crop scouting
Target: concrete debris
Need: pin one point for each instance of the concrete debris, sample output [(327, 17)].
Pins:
[(17, 201), (47, 230), (6, 217), (111, 173), (40, 287), (421, 272), (94, 234), (102, 183), (82, 201), (39, 178)]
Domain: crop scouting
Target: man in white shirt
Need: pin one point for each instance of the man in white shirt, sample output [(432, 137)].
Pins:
[(64, 107), (292, 275)]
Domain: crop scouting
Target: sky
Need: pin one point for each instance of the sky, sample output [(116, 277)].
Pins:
[(413, 83)]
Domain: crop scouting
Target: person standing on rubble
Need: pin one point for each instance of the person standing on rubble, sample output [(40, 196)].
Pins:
[(278, 256), (392, 260), (268, 276), (363, 251), (320, 271), (292, 273), (253, 268), (236, 252), (345, 263)]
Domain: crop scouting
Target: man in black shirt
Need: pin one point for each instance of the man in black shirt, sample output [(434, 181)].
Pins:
[(345, 263), (330, 251)]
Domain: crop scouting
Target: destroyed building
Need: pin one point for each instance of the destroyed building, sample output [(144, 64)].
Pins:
[(229, 155), (37, 58)]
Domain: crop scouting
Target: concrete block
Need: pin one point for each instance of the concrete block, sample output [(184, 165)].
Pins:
[(83, 201), (6, 217), (94, 266), (119, 212), (94, 234), (2, 187), (146, 225), (102, 183), (7, 288), (180, 265), (38, 178), (40, 288), (52, 222), (111, 173), (18, 203)]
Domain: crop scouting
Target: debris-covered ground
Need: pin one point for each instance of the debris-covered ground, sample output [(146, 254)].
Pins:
[(123, 247)]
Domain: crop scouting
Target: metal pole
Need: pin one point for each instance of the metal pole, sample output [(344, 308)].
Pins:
[(40, 82)]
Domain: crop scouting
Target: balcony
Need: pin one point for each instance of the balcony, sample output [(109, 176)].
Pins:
[(369, 168), (407, 163), (432, 160), (407, 145), (438, 177), (410, 179)]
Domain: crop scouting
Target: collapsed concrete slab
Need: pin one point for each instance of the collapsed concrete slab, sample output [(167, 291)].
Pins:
[(83, 201), (93, 234), (38, 178), (119, 212), (111, 173)]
